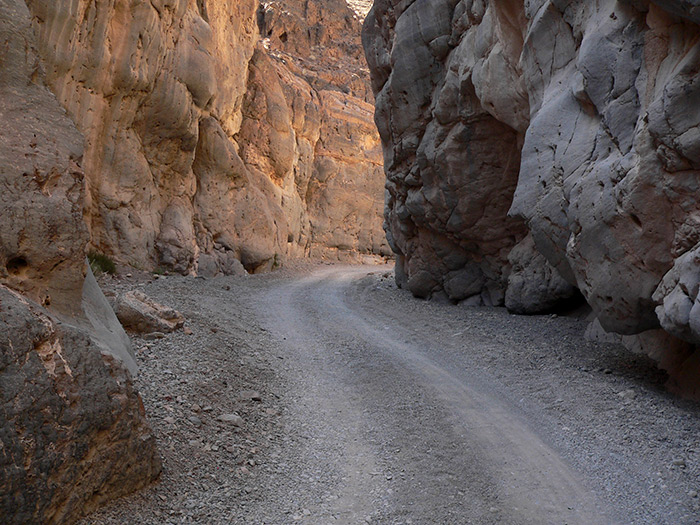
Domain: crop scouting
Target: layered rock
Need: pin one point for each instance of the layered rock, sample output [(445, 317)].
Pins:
[(72, 428), (573, 124), (203, 145)]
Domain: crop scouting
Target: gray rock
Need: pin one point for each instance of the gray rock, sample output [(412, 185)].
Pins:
[(574, 122), (77, 405), (140, 314), (234, 419)]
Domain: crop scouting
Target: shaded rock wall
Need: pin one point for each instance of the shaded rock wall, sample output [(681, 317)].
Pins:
[(536, 147), (72, 429), (201, 144)]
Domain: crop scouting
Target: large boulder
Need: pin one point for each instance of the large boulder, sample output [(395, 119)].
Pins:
[(72, 428)]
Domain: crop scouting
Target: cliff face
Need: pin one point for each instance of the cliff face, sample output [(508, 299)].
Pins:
[(72, 428), (536, 147), (202, 146)]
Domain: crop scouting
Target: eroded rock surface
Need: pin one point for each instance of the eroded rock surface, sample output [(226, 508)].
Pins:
[(203, 144), (575, 122), (72, 429)]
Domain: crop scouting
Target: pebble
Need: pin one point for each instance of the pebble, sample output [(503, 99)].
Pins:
[(679, 462), (234, 419), (195, 421), (249, 395), (187, 330), (153, 336)]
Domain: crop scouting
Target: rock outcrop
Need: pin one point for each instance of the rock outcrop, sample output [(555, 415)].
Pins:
[(536, 147), (203, 144), (72, 429)]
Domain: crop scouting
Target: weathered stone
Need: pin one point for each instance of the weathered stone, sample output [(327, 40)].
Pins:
[(576, 122), (197, 145), (43, 237), (72, 427), (139, 313)]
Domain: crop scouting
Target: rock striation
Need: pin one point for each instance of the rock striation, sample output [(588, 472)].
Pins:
[(533, 148), (72, 429), (205, 145)]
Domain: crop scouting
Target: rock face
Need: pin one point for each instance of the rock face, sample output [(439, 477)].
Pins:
[(535, 146), (72, 429), (202, 144)]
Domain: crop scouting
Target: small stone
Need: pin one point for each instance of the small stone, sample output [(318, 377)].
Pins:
[(493, 509), (607, 371), (249, 395), (271, 411), (244, 470), (195, 421), (187, 330), (679, 462), (208, 408), (693, 493), (234, 419), (628, 394), (153, 336), (196, 408), (227, 288), (170, 420)]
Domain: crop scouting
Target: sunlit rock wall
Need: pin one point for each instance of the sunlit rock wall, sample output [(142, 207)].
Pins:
[(194, 152)]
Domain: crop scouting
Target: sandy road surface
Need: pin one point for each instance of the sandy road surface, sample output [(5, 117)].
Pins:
[(418, 434)]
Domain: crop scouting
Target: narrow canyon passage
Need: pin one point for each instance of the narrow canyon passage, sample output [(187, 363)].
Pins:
[(399, 426)]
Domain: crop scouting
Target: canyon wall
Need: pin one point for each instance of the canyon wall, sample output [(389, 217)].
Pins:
[(537, 149), (72, 428), (207, 147)]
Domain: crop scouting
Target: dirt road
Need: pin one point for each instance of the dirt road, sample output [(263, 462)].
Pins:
[(374, 407), (415, 432)]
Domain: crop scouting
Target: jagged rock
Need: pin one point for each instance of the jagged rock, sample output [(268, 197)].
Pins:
[(72, 427), (533, 285), (576, 122), (197, 145), (139, 313)]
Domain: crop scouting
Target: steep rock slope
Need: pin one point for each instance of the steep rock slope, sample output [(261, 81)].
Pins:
[(535, 147), (72, 428), (202, 147)]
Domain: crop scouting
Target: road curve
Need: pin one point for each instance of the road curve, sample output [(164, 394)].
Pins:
[(396, 425)]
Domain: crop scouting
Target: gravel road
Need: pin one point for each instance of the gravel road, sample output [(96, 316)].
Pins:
[(361, 404)]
